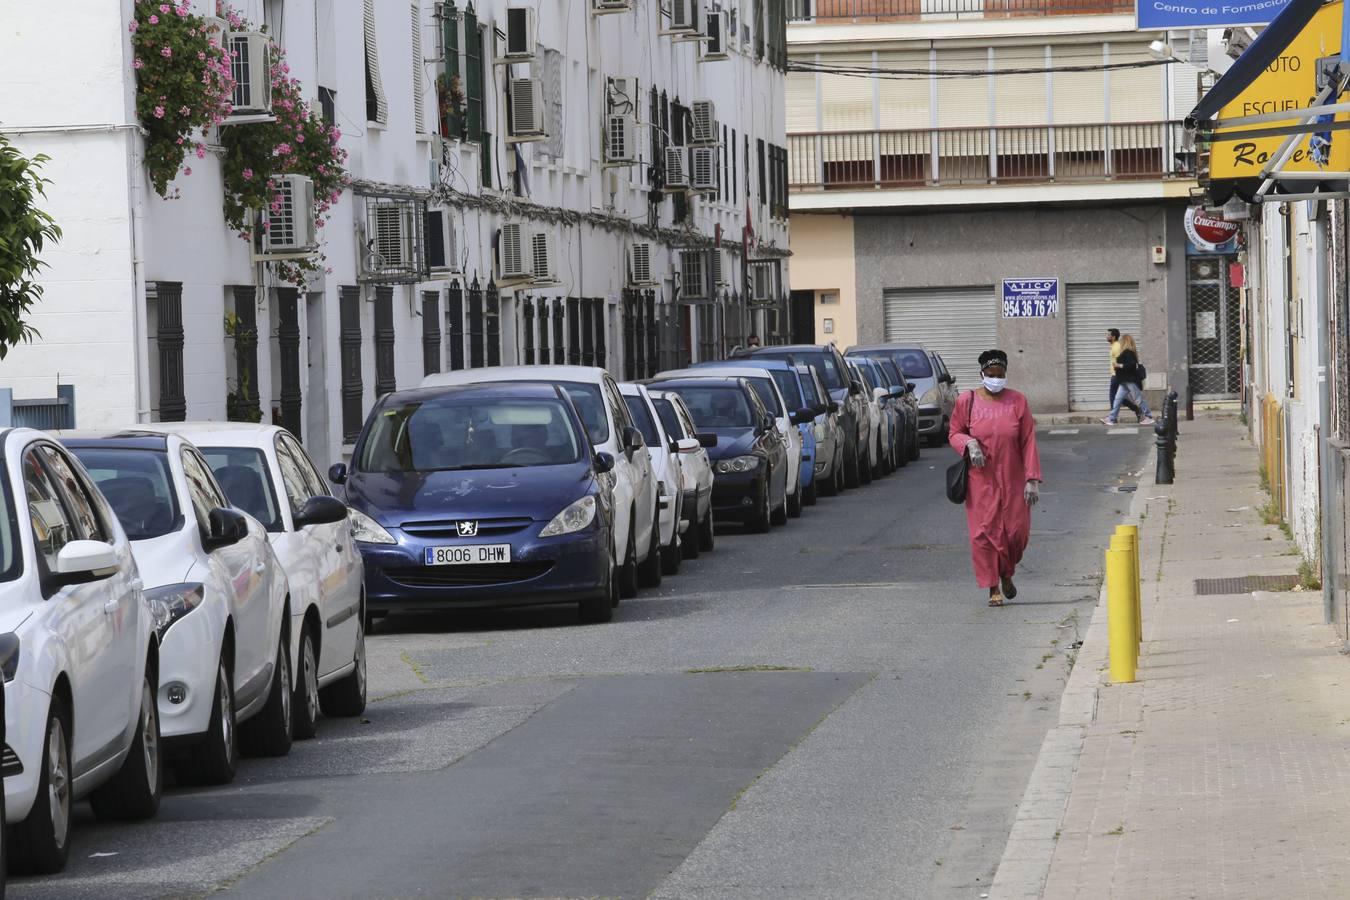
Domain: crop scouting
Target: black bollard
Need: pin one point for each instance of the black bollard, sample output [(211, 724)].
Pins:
[(1165, 430)]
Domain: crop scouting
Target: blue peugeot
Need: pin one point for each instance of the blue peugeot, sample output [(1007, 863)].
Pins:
[(477, 496)]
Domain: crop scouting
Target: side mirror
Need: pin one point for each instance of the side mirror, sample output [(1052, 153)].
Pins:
[(83, 561), (337, 473), (632, 439), (226, 527), (707, 439), (898, 393), (321, 510), (687, 445), (805, 414), (832, 406), (855, 387), (946, 379), (604, 462)]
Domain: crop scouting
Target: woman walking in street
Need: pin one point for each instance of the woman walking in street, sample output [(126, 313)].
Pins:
[(1130, 381), (993, 425)]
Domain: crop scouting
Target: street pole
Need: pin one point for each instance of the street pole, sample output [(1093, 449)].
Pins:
[(1320, 213)]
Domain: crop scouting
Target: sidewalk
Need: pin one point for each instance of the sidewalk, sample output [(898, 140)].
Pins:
[(1224, 771)]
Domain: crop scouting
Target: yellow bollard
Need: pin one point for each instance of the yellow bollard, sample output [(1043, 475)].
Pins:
[(1121, 541), (1120, 615), (1132, 532)]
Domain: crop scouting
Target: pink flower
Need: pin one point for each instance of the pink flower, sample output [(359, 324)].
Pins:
[(159, 112), (201, 54), (164, 7), (283, 150), (133, 26), (154, 20), (187, 170), (201, 151), (248, 174), (184, 111), (182, 12), (138, 63), (166, 51)]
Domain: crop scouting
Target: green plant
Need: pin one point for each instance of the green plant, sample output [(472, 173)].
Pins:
[(1265, 479), (24, 229), (1270, 513), (1309, 575)]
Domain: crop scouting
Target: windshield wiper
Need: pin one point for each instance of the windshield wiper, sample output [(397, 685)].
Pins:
[(486, 466)]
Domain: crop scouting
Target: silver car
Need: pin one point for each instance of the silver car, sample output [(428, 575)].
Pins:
[(933, 385)]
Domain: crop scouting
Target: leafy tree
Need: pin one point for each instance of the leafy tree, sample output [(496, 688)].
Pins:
[(23, 230)]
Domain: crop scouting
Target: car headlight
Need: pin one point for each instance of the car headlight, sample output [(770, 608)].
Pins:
[(818, 429), (575, 517), (9, 655), (930, 398), (367, 530), (171, 602), (738, 464)]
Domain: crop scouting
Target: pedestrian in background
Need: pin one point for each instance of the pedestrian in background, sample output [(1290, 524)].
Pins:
[(753, 341), (994, 427), (1130, 383), (1113, 338)]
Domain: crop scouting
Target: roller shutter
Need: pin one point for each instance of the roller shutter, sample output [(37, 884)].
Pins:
[(959, 323), (1091, 309)]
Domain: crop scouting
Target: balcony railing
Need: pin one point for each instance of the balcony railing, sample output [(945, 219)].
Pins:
[(838, 11), (1005, 154)]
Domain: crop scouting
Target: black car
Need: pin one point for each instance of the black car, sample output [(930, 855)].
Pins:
[(849, 394), (749, 460)]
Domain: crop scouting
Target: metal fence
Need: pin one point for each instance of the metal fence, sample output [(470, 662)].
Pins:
[(45, 414), (1003, 154), (829, 11)]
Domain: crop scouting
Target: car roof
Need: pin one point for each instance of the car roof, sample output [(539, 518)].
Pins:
[(893, 345), (745, 362), (119, 439), (683, 378), (591, 374), (730, 371), (798, 347), (534, 389), (235, 434), (631, 388)]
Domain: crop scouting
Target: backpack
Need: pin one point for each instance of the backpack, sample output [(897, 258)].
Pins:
[(1142, 373)]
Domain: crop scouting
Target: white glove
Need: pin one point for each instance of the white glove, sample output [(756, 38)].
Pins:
[(976, 453), (1032, 493)]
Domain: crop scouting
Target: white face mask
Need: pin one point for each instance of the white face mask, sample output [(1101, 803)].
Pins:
[(994, 385)]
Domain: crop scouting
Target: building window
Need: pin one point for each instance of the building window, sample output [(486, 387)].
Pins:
[(377, 109), (826, 298), (349, 315), (328, 105), (419, 93), (474, 40), (450, 88), (759, 167)]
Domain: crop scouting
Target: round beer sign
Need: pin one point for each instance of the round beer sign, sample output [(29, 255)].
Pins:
[(1209, 231)]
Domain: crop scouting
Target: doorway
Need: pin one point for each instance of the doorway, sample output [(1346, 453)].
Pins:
[(803, 317)]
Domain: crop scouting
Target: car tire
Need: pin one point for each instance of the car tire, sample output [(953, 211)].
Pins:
[(133, 793), (811, 491), (671, 556), (759, 522), (864, 466), (794, 503), (305, 703), (852, 471), (780, 515), (346, 699), (628, 572), (707, 537), (42, 841), (213, 760), (600, 608), (269, 732), (649, 572), (691, 542)]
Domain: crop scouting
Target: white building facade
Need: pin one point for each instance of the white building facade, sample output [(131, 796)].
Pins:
[(494, 215)]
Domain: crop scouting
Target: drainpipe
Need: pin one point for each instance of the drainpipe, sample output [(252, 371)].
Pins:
[(139, 324), (1324, 449)]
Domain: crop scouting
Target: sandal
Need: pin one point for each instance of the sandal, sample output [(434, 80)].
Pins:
[(996, 599)]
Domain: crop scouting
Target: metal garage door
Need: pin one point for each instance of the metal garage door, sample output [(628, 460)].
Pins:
[(1091, 309), (959, 323)]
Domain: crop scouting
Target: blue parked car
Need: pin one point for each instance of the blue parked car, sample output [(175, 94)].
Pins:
[(485, 495)]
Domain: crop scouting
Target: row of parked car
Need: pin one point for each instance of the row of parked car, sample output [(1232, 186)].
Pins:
[(180, 594)]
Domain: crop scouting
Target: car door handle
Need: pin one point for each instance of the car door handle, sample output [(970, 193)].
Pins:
[(260, 568), (339, 547), (111, 606), (137, 584)]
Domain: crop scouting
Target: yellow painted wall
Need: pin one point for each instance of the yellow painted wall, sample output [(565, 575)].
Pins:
[(822, 261)]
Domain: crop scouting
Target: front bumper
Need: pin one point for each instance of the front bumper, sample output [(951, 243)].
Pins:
[(25, 729), (930, 420), (542, 571), (188, 659), (738, 495)]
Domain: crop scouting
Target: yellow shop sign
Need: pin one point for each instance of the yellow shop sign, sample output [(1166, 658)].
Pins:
[(1288, 83)]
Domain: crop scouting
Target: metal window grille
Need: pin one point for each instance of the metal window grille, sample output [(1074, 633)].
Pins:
[(243, 406), (527, 329), (494, 313), (454, 321), (431, 332), (545, 304), (573, 333), (477, 326), (587, 332), (559, 337), (629, 335), (349, 316), (601, 326), (652, 331), (1213, 328), (169, 337), (385, 381), (288, 347)]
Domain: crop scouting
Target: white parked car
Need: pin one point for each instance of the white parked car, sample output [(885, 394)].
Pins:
[(225, 666), (666, 468), (696, 470), (596, 396), (79, 653), (267, 474)]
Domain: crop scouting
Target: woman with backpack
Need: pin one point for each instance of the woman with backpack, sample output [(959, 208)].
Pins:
[(1130, 376)]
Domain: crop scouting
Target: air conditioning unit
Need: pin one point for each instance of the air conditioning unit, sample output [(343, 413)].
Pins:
[(520, 29), (290, 230), (541, 257), (515, 252), (624, 95), (677, 177), (621, 142), (703, 116), (762, 286), (703, 169), (640, 264), (720, 264), (442, 244), (605, 7), (716, 31), (685, 17), (527, 108), (251, 66), (694, 284)]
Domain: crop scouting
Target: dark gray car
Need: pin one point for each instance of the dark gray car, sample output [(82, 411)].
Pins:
[(933, 384)]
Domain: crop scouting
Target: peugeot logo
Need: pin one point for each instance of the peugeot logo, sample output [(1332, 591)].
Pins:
[(468, 529)]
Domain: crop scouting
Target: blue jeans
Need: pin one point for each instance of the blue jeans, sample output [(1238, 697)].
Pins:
[(1128, 390)]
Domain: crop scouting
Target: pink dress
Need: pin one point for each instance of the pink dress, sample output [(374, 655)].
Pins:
[(996, 512)]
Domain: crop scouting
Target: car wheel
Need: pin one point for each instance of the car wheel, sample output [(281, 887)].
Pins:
[(672, 555), (346, 699), (706, 535), (600, 608), (42, 841), (759, 521), (134, 792), (691, 542), (852, 472), (305, 703), (649, 573), (811, 491), (269, 732), (628, 572), (864, 466), (213, 761), (794, 502), (780, 514)]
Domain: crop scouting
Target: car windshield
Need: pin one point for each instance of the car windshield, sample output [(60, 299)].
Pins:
[(447, 433), (892, 372), (763, 388), (642, 417), (669, 417), (914, 363), (138, 487), (867, 375), (242, 473), (10, 555), (787, 385), (717, 406), (590, 405), (808, 385), (820, 360)]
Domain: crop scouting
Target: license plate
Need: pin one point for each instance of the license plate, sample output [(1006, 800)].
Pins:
[(470, 554)]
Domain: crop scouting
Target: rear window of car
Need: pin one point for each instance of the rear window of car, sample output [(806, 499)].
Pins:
[(243, 476), (137, 485), (892, 372), (914, 363), (868, 375), (764, 390), (669, 417), (810, 397), (637, 408), (788, 386), (717, 406)]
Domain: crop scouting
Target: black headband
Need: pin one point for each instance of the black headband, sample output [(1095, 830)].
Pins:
[(993, 358)]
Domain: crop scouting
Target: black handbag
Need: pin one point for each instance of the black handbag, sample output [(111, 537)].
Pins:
[(957, 472)]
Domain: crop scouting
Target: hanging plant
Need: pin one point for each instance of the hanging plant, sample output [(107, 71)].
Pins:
[(297, 142), (183, 85), (24, 230)]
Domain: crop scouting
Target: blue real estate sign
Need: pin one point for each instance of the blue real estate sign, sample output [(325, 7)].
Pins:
[(1030, 298), (1160, 14)]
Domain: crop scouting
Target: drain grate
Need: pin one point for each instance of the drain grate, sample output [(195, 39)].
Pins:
[(1245, 585)]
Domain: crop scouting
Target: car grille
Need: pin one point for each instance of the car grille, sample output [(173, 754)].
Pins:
[(449, 528), (9, 763), (467, 576)]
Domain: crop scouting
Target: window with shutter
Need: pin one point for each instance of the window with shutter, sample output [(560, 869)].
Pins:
[(473, 76), (963, 101), (451, 94), (377, 108), (419, 92), (759, 168)]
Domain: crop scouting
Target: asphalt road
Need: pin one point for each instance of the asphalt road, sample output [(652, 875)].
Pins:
[(827, 711)]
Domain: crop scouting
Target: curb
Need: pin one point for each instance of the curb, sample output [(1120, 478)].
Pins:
[(1025, 865)]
